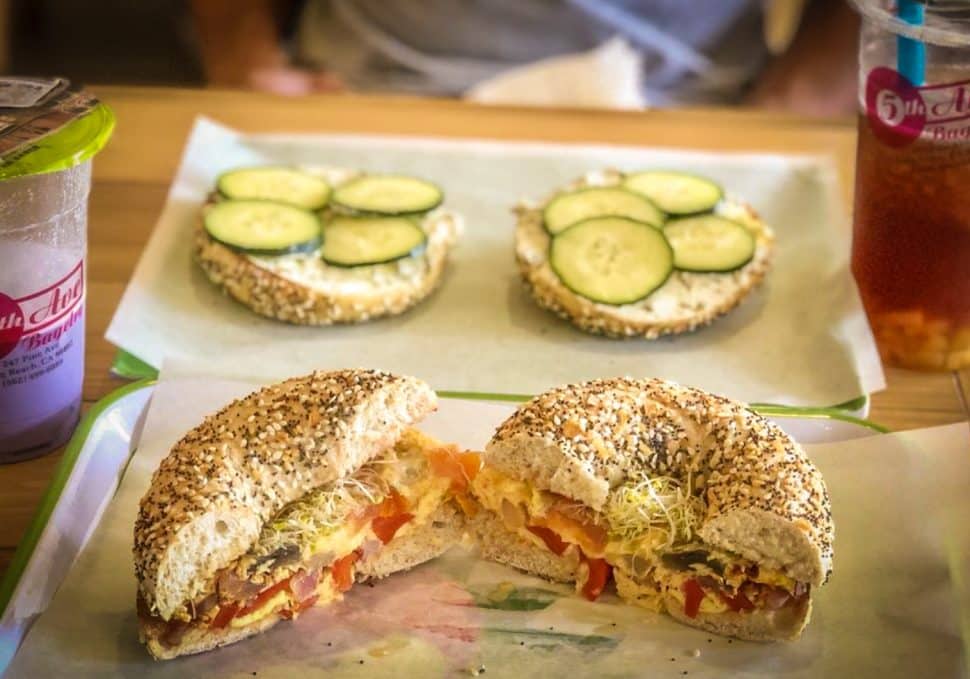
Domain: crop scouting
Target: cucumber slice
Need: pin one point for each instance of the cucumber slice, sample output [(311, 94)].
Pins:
[(357, 241), (279, 184), (388, 195), (709, 243), (263, 227), (676, 193), (568, 208), (612, 260)]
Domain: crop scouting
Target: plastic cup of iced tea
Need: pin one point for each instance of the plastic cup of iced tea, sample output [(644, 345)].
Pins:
[(911, 231)]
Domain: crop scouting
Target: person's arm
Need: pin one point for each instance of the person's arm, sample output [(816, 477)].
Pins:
[(817, 74), (240, 46)]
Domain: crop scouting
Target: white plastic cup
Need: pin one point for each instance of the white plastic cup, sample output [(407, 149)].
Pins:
[(43, 243)]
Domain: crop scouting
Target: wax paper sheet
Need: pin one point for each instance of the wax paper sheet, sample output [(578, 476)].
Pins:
[(802, 339), (897, 605)]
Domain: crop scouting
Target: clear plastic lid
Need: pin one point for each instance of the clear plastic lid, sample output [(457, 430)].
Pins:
[(72, 144), (47, 127), (946, 22)]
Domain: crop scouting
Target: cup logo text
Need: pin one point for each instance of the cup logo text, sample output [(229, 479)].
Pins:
[(42, 311), (899, 112), (11, 324)]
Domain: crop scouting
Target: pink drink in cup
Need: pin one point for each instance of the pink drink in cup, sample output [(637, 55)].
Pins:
[(44, 190)]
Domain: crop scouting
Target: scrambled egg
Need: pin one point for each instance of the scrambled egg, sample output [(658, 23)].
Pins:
[(770, 577), (492, 488), (326, 593), (711, 603), (323, 519), (278, 600), (322, 522)]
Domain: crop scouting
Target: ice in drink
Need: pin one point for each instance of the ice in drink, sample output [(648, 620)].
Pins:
[(911, 247), (911, 231)]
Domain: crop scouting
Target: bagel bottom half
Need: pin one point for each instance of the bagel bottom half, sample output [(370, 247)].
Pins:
[(443, 530), (685, 302), (302, 289), (758, 625), (498, 543)]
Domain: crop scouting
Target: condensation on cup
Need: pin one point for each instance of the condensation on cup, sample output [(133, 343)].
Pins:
[(911, 233), (44, 186)]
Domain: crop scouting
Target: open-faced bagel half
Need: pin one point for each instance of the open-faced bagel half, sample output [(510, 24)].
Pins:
[(301, 288), (684, 302)]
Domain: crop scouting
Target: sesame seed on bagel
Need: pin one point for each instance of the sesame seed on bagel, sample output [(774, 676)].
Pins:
[(302, 289), (685, 302), (764, 499), (211, 495)]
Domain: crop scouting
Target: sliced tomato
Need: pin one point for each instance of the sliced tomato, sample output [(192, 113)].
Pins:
[(590, 536), (291, 613), (226, 613), (306, 603), (342, 571), (460, 468), (471, 463), (693, 595), (555, 543), (264, 596), (385, 527), (599, 574), (738, 602), (394, 503)]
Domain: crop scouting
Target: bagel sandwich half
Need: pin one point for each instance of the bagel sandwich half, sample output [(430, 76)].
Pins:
[(693, 504), (285, 498)]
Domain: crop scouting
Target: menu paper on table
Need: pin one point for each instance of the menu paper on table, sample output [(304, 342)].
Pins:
[(897, 604), (801, 339)]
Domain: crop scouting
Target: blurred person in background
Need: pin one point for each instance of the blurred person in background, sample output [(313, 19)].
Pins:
[(792, 54)]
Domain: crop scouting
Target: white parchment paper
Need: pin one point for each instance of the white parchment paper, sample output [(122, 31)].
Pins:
[(802, 339), (898, 604)]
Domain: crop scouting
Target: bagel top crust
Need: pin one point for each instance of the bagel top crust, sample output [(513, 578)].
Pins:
[(212, 493), (764, 498)]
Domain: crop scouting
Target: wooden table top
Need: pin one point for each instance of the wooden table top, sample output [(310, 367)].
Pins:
[(131, 178)]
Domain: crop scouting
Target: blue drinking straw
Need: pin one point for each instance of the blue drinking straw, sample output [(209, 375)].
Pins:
[(911, 54)]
